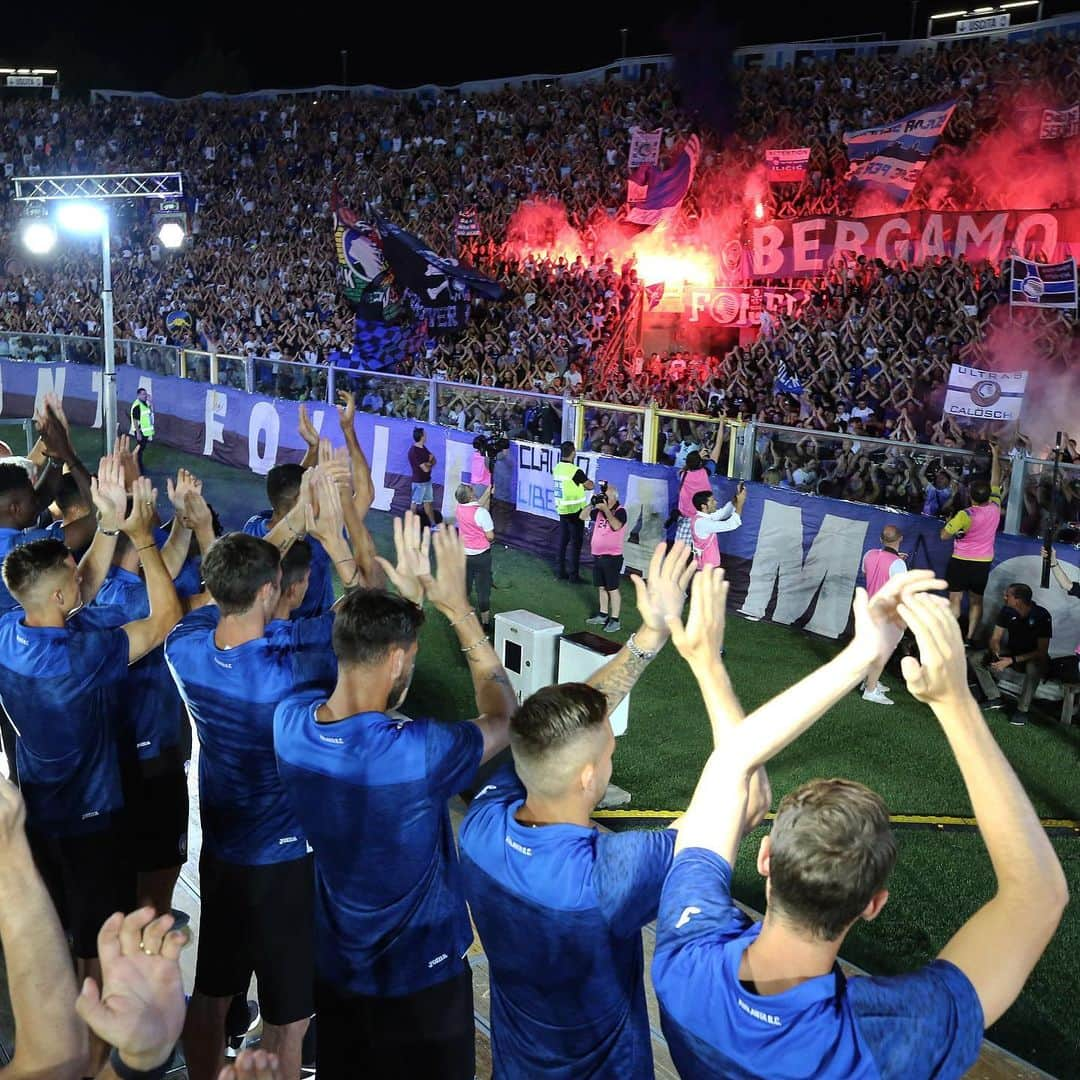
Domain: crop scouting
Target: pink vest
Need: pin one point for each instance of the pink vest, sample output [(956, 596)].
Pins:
[(478, 470), (876, 566), (695, 480), (978, 542), (605, 539), (472, 536), (706, 551)]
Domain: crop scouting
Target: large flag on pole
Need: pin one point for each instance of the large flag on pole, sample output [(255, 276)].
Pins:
[(1046, 285), (653, 194)]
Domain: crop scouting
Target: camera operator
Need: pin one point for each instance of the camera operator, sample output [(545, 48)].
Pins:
[(571, 484), (477, 531), (608, 533), (486, 451)]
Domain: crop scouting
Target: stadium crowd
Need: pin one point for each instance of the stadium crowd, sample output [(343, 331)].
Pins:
[(328, 864), (259, 279)]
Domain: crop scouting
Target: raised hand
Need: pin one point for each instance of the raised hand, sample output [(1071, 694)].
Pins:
[(413, 552), (139, 523), (195, 513), (187, 484), (307, 428), (109, 494), (878, 624), (53, 402), (253, 1065), (324, 518), (140, 1005), (346, 408), (52, 432), (122, 449), (336, 464), (662, 597), (702, 638), (939, 675), (447, 589)]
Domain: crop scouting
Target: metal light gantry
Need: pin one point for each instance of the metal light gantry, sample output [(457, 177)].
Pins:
[(46, 189)]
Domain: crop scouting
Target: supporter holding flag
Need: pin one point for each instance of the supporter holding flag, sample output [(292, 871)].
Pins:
[(232, 668), (558, 905), (61, 666), (770, 999), (369, 789)]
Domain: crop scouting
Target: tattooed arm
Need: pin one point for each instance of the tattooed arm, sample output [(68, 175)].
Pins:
[(658, 599)]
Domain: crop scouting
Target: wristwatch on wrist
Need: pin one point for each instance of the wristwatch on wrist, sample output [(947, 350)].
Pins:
[(636, 650), (126, 1072)]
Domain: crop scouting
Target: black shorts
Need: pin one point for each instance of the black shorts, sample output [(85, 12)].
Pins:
[(156, 798), (258, 919), (89, 878), (967, 575), (606, 571), (431, 1033)]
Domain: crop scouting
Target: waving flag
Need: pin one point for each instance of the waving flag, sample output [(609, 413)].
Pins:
[(787, 381), (1044, 285), (653, 195), (366, 278)]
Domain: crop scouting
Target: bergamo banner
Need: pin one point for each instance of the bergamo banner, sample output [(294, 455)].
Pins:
[(739, 306), (975, 394), (807, 247), (644, 147), (787, 166), (1047, 285)]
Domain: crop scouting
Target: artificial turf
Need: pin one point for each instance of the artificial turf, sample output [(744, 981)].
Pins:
[(941, 876)]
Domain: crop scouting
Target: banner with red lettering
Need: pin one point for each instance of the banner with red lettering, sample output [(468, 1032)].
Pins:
[(739, 306), (807, 247)]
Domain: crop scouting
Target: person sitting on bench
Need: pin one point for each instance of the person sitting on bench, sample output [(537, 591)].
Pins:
[(1029, 629)]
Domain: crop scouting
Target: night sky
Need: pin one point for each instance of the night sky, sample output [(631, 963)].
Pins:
[(200, 46)]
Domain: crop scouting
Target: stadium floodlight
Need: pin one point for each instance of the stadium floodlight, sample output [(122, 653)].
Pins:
[(38, 237), (81, 208), (949, 15), (171, 234), (85, 218)]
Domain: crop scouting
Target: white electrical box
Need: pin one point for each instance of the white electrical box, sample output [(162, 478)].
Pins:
[(527, 645), (581, 655)]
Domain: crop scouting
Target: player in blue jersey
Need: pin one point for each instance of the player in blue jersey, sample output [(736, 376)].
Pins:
[(60, 668), (740, 1000), (152, 723), (559, 907), (370, 789), (232, 669)]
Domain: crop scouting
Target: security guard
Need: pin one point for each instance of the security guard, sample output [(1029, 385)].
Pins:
[(142, 419), (571, 484)]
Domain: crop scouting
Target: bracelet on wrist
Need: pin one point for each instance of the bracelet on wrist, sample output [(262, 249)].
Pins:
[(637, 650), (126, 1072), (145, 547), (462, 618), (475, 645)]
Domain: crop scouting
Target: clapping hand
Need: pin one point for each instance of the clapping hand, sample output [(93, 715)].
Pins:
[(347, 408), (878, 623), (701, 640), (940, 673), (663, 595), (187, 484), (336, 464), (140, 1005), (108, 493), (446, 590), (307, 428), (324, 518), (413, 551), (139, 523)]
